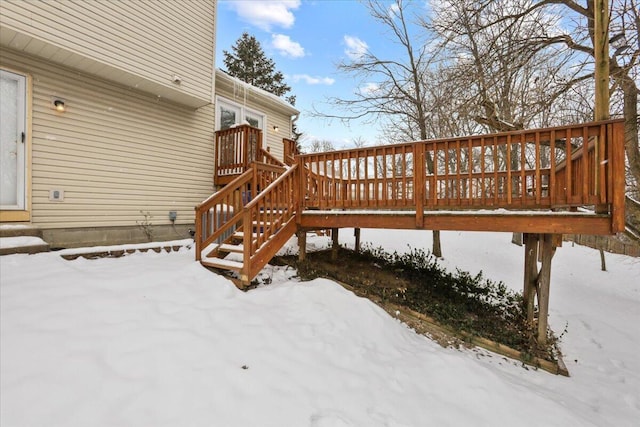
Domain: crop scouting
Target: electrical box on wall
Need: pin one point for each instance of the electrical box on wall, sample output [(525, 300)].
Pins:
[(56, 195)]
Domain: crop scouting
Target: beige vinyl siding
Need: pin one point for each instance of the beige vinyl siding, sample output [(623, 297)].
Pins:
[(274, 139), (114, 152), (153, 39)]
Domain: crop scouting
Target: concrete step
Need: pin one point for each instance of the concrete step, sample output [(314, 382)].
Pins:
[(16, 230), (22, 245)]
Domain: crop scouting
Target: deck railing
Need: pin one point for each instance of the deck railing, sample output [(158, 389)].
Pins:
[(236, 148), (290, 151), (221, 213), (526, 169)]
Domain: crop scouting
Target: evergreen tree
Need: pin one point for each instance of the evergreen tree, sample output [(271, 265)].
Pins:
[(248, 62)]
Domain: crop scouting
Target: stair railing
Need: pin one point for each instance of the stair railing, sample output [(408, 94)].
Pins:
[(268, 221), (219, 215)]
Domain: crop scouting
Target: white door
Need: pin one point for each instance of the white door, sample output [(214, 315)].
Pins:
[(12, 141)]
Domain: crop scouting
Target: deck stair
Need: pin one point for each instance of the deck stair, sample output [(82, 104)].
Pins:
[(553, 181), (241, 227)]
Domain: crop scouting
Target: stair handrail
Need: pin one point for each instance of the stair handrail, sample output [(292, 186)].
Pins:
[(269, 159), (220, 212), (206, 231), (283, 190)]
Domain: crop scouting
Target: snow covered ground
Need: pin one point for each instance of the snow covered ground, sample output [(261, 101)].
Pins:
[(154, 339)]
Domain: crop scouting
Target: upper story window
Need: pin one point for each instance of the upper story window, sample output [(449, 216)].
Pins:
[(230, 113)]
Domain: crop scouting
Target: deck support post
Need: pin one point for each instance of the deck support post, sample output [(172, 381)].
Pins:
[(302, 245), (538, 282), (334, 244), (543, 285), (356, 233), (530, 274)]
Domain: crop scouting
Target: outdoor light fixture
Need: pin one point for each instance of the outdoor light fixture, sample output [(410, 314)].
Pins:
[(58, 104), (275, 128)]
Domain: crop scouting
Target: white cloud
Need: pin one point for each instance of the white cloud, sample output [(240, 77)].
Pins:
[(313, 80), (369, 88), (286, 46), (394, 10), (356, 48), (266, 14)]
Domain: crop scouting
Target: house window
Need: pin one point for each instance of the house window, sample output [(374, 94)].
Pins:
[(230, 113)]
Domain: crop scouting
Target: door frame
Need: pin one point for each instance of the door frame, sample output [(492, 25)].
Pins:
[(23, 213)]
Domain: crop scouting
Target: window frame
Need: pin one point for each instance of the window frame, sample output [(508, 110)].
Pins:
[(243, 110)]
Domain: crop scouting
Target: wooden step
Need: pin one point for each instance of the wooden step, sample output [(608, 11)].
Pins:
[(240, 235), (226, 247), (223, 264)]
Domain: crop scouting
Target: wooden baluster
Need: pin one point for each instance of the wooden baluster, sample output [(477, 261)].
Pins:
[(458, 176), (419, 176), (552, 169), (471, 192), (482, 169), (538, 166), (508, 166), (568, 166), (586, 169), (523, 167), (496, 186), (601, 165)]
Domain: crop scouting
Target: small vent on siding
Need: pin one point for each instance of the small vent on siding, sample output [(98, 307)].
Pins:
[(56, 195)]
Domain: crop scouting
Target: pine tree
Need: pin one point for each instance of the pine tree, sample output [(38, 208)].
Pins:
[(249, 63)]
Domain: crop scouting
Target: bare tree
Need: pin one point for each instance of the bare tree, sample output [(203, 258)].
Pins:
[(320, 145), (624, 60), (392, 88)]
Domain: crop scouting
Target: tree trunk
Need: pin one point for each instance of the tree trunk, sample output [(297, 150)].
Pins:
[(603, 263), (630, 93), (437, 249)]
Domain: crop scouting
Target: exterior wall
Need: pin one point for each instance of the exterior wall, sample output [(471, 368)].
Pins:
[(115, 152), (151, 39)]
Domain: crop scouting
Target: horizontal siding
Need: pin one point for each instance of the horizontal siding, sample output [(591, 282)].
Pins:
[(154, 39), (114, 152)]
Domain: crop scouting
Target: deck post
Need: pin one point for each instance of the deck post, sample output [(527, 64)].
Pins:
[(356, 233), (334, 244), (530, 273), (419, 176), (302, 245), (544, 282)]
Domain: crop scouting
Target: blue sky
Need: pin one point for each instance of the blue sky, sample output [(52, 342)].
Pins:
[(306, 39)]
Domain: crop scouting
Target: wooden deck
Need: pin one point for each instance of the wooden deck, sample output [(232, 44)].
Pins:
[(514, 181), (559, 180), (541, 182)]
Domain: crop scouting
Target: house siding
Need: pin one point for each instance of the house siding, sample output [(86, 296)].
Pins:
[(115, 152), (152, 39)]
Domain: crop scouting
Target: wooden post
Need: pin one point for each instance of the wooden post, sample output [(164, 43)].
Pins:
[(544, 282), (530, 273), (302, 245), (246, 249), (356, 233), (419, 178), (601, 57), (334, 244)]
